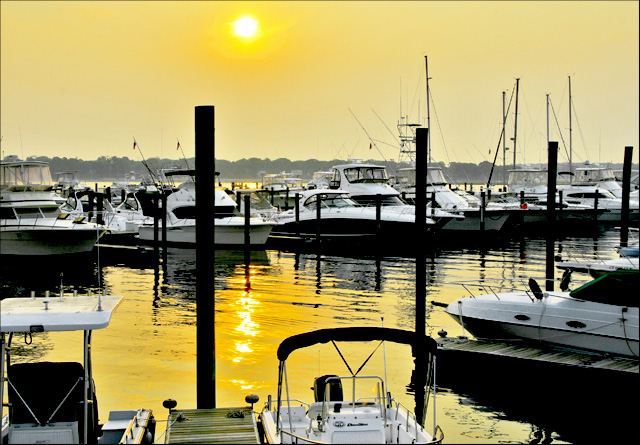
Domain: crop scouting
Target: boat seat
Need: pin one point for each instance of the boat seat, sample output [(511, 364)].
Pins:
[(296, 414), (50, 391)]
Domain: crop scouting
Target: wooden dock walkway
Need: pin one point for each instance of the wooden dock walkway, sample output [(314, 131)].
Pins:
[(456, 347), (212, 426)]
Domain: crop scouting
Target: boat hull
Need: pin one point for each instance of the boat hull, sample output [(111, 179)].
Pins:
[(555, 320), (43, 240), (227, 233)]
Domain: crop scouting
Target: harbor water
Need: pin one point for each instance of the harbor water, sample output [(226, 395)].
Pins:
[(148, 353)]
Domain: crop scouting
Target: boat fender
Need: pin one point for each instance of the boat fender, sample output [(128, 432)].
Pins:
[(566, 278), (535, 288)]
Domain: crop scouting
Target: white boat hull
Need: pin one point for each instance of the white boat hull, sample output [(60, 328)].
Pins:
[(47, 237), (228, 232), (556, 319)]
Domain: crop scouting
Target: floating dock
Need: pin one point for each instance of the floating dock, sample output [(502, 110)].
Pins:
[(462, 350), (211, 426)]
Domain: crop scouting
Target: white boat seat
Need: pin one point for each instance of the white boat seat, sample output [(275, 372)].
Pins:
[(296, 414)]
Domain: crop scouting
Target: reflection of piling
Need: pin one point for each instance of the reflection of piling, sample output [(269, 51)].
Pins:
[(205, 257), (626, 192), (551, 213)]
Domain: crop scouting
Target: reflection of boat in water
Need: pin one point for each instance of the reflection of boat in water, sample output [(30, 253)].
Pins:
[(348, 416), (31, 222), (600, 316), (56, 401)]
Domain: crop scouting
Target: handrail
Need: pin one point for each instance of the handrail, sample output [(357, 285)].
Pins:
[(300, 437)]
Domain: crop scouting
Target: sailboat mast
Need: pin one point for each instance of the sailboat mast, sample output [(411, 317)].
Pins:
[(504, 142), (426, 62), (570, 137), (515, 125)]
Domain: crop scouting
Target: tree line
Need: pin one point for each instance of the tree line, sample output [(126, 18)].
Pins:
[(113, 168)]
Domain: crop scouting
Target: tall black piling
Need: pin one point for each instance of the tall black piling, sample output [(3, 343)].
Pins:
[(422, 156), (205, 257), (551, 215), (626, 192)]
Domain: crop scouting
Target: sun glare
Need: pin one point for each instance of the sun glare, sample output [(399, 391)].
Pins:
[(245, 27)]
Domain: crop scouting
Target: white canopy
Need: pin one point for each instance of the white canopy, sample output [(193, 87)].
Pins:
[(57, 314)]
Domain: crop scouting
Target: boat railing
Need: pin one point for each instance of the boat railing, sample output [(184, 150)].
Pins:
[(515, 285), (410, 415), (297, 437)]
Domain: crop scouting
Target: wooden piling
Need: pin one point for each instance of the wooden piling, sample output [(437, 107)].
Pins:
[(205, 257)]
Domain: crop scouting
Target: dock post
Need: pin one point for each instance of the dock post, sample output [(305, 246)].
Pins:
[(378, 213), (483, 203), (318, 216), (626, 192), (297, 212), (247, 222), (205, 258), (163, 214), (551, 214), (422, 157)]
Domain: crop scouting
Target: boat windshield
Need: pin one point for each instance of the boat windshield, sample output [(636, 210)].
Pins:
[(366, 174), (527, 178), (330, 200), (617, 288), (592, 175), (435, 176), (23, 176)]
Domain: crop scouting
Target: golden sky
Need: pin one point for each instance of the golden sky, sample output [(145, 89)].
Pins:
[(83, 78)]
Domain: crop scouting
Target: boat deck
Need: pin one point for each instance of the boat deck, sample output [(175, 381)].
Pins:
[(211, 426), (462, 347)]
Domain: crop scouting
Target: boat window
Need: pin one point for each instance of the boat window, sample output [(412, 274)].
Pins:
[(130, 203), (366, 174), (28, 212), (335, 180), (185, 212)]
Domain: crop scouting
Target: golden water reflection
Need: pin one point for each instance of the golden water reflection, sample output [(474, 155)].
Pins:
[(148, 353)]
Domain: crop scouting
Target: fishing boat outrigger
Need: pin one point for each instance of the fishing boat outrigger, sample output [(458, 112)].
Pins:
[(335, 417), (55, 402)]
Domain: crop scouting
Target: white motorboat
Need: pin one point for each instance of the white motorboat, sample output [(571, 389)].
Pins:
[(229, 225), (282, 188), (493, 217), (333, 214), (55, 402), (348, 416), (578, 200), (597, 268), (31, 222), (599, 316), (366, 183)]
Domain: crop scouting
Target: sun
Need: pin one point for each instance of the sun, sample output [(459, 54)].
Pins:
[(245, 27)]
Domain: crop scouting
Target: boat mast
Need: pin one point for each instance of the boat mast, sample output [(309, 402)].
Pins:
[(426, 62), (570, 139), (504, 141), (515, 126)]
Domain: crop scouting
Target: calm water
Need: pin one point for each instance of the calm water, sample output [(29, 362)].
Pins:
[(148, 353)]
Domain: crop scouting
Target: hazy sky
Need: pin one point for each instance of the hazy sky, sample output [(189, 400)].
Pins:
[(82, 79)]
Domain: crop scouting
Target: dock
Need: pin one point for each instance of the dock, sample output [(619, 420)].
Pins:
[(480, 349), (211, 426)]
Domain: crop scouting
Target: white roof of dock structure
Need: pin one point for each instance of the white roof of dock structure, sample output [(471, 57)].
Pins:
[(57, 314)]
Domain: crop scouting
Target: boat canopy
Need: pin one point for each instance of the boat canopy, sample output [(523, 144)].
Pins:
[(422, 345), (57, 314), (618, 288)]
